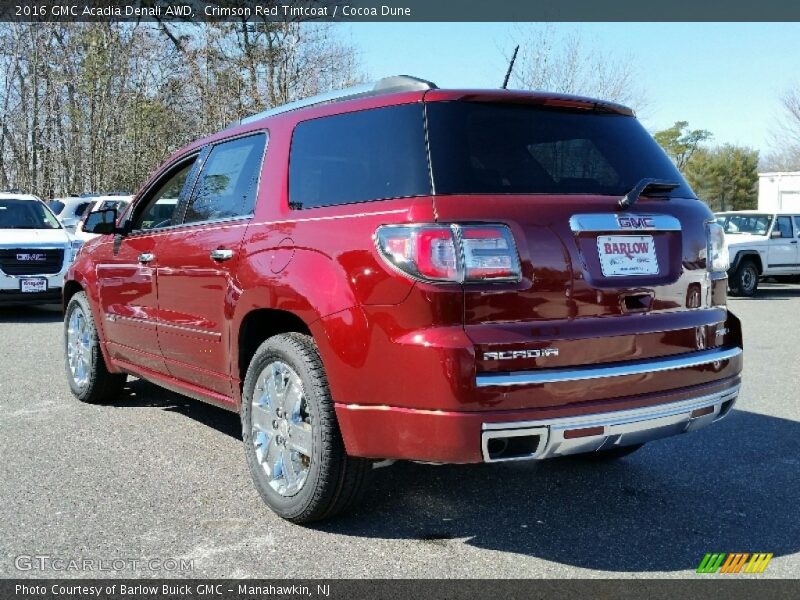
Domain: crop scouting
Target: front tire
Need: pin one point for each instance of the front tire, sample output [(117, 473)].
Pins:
[(87, 373), (292, 442), (744, 281)]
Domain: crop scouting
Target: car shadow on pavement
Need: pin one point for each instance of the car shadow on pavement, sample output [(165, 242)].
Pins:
[(143, 394), (731, 488), (46, 313)]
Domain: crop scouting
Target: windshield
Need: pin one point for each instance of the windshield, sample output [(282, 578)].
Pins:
[(753, 224), (482, 148), (26, 214)]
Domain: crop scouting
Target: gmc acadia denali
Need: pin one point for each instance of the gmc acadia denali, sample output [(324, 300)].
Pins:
[(402, 272)]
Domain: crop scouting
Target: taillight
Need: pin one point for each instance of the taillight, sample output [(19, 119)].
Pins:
[(453, 253)]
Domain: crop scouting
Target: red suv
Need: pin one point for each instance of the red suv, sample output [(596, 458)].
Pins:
[(403, 272)]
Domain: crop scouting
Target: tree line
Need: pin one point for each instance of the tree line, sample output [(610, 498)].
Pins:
[(98, 106)]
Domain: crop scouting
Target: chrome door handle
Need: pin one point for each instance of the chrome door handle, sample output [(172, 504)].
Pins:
[(221, 254), (146, 257)]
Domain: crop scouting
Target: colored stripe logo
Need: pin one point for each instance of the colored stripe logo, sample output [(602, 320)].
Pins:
[(734, 562)]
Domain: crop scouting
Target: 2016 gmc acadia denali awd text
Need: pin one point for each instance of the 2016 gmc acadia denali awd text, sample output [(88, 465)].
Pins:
[(403, 272)]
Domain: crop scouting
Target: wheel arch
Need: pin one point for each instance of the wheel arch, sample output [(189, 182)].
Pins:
[(258, 325), (747, 255)]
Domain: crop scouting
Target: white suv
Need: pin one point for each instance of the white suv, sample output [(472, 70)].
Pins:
[(761, 244), (35, 252)]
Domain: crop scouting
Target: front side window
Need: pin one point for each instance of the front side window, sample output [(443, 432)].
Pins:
[(784, 225), (489, 148), (160, 208), (228, 182), (359, 156), (26, 214), (797, 225)]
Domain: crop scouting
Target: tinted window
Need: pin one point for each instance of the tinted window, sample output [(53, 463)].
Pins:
[(514, 149), (81, 208), (160, 209), (228, 182), (797, 225), (784, 225), (354, 157), (57, 207)]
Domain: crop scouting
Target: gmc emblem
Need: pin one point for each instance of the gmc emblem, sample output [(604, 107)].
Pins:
[(516, 354), (30, 257), (636, 222)]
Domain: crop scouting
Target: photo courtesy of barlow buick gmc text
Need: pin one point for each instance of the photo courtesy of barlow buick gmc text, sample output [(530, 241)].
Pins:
[(403, 300)]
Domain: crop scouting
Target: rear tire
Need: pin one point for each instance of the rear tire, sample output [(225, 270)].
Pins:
[(610, 454), (744, 281), (292, 442), (87, 373)]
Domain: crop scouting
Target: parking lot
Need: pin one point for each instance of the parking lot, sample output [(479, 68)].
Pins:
[(158, 476)]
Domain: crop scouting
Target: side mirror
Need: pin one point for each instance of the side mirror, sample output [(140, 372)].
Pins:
[(102, 222), (776, 233)]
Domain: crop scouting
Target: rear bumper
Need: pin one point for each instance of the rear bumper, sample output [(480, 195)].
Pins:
[(549, 438), (463, 437)]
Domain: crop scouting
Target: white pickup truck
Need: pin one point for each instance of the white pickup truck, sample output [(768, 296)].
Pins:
[(761, 244)]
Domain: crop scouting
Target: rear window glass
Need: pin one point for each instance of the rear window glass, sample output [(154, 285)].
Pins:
[(510, 149), (354, 157)]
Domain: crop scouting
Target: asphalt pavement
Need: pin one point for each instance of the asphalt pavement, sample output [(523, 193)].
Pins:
[(156, 484)]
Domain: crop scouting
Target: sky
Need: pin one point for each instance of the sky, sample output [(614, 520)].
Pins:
[(727, 78)]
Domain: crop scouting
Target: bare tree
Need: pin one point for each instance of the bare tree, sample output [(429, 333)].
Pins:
[(785, 155), (568, 63), (97, 106)]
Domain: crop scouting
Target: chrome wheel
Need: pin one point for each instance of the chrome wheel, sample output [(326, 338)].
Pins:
[(281, 428), (79, 347)]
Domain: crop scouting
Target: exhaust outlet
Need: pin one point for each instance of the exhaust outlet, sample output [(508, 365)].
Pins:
[(501, 445)]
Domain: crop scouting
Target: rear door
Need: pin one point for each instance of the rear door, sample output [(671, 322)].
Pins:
[(197, 264), (126, 275), (782, 252)]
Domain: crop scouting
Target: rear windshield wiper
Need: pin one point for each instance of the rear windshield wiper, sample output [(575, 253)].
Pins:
[(645, 184)]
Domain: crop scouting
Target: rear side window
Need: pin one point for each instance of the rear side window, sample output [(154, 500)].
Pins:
[(360, 156), (56, 206), (483, 148), (228, 182)]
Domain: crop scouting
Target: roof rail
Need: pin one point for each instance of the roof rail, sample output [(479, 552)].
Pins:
[(387, 85)]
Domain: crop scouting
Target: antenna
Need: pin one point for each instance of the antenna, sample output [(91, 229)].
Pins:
[(510, 66)]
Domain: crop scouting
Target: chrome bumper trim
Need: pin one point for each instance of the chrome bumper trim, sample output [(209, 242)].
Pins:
[(620, 428), (638, 367)]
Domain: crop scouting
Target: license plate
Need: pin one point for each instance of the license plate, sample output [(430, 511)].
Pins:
[(33, 285), (626, 255)]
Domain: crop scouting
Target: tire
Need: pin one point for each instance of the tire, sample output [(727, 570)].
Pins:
[(610, 454), (744, 281), (292, 442), (87, 373)]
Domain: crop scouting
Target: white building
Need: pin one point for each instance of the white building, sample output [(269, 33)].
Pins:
[(779, 191)]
